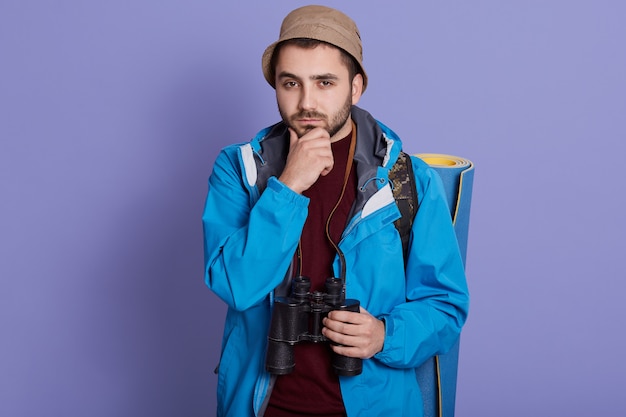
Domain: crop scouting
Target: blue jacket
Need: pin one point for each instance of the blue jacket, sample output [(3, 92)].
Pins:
[(252, 224)]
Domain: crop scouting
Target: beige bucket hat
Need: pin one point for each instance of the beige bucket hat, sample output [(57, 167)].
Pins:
[(323, 24)]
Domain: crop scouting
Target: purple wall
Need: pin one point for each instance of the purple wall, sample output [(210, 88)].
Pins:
[(111, 114)]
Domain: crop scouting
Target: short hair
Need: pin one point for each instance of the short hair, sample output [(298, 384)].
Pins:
[(353, 67)]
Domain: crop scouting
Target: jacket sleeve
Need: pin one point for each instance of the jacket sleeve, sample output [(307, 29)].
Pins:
[(437, 298), (248, 246)]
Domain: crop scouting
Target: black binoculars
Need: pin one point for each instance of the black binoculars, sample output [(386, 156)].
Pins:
[(298, 318)]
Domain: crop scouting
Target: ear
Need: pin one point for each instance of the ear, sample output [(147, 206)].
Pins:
[(357, 88)]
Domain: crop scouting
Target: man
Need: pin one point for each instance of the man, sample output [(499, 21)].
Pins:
[(310, 196)]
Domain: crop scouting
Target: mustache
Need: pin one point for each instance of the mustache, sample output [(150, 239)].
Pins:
[(308, 115)]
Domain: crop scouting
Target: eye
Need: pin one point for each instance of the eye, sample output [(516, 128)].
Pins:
[(326, 83), (290, 84)]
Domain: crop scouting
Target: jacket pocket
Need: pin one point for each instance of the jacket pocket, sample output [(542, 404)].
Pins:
[(229, 353)]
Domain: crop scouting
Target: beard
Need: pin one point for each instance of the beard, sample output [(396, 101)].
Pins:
[(333, 124)]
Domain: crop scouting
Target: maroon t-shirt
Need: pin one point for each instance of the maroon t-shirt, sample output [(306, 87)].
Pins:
[(313, 387)]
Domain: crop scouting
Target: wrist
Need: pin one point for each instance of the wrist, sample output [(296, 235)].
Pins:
[(290, 183)]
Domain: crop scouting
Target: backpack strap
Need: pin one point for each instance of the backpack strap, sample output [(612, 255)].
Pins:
[(405, 192)]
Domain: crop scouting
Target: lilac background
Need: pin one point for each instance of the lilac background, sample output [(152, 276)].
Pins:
[(111, 114)]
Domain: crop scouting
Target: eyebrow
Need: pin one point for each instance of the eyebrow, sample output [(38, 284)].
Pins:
[(327, 76)]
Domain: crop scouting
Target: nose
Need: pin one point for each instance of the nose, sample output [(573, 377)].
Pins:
[(308, 100)]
